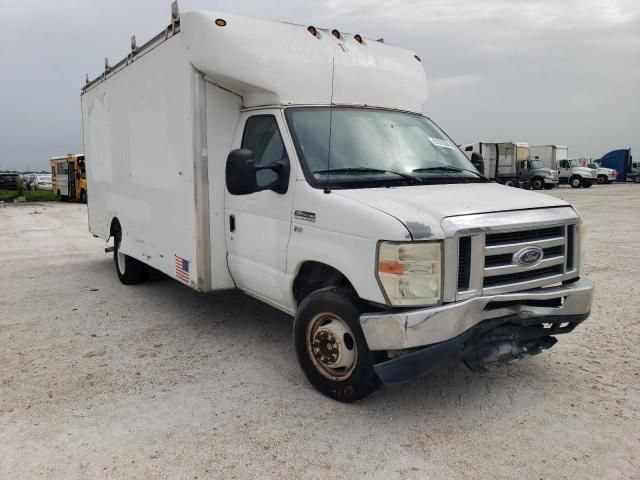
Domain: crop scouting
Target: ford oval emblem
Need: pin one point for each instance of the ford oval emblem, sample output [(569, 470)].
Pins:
[(528, 257)]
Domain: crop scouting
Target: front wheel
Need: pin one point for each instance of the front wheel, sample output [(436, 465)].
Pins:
[(602, 179), (331, 347), (575, 182), (537, 183)]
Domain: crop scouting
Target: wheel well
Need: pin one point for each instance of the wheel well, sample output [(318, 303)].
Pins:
[(115, 227), (313, 276)]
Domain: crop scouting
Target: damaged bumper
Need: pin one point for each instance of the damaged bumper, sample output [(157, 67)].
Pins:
[(434, 336)]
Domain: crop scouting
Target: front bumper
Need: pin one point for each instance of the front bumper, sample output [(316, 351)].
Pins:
[(443, 330), (416, 328)]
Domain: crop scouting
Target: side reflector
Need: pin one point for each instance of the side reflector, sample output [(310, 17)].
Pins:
[(391, 267), (336, 33), (221, 22), (358, 38)]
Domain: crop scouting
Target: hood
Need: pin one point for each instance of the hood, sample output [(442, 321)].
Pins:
[(546, 171), (584, 171), (421, 208)]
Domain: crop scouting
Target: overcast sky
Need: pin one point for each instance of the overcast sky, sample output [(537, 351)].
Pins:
[(538, 71)]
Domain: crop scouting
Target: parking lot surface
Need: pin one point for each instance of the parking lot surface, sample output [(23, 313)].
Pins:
[(101, 380)]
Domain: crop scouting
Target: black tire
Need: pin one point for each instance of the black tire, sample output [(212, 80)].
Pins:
[(83, 196), (130, 271), (537, 183), (636, 179), (601, 180), (509, 183), (325, 307), (587, 184), (575, 181)]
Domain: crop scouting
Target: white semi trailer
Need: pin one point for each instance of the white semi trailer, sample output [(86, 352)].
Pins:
[(294, 163)]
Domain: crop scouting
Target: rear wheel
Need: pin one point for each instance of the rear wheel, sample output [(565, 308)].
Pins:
[(636, 179), (130, 271), (331, 347), (575, 182)]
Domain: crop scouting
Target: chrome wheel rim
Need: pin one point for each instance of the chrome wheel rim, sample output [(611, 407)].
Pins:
[(331, 346)]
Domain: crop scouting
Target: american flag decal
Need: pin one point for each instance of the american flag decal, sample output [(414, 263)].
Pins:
[(182, 269)]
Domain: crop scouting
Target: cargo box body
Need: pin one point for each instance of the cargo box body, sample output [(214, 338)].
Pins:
[(145, 136)]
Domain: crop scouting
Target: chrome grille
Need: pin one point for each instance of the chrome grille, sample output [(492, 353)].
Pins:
[(479, 250), (502, 273)]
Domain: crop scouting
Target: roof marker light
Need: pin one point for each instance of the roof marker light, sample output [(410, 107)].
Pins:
[(417, 58), (312, 30), (221, 22), (358, 38), (336, 33)]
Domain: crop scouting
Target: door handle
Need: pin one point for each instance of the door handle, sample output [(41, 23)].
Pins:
[(232, 223)]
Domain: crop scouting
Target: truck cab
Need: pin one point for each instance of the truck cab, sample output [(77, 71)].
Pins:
[(604, 175), (570, 171)]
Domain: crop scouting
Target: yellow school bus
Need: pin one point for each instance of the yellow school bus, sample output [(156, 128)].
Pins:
[(69, 177)]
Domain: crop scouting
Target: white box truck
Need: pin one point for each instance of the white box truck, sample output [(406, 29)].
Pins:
[(556, 157), (294, 163), (510, 163)]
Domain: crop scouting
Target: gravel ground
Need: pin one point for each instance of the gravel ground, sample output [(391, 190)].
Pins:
[(100, 380)]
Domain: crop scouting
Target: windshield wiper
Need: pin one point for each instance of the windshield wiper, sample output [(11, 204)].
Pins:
[(448, 168), (408, 176)]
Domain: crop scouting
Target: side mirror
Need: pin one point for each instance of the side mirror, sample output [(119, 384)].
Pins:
[(477, 161), (241, 169)]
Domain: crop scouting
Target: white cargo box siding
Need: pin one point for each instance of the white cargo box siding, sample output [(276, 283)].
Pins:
[(550, 155), (158, 126)]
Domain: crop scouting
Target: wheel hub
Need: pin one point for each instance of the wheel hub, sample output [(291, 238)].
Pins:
[(332, 347)]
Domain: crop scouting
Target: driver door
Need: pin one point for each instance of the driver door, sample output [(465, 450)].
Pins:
[(258, 225)]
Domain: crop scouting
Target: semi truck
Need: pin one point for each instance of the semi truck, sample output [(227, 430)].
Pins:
[(510, 163), (556, 157), (622, 162), (69, 177), (294, 163)]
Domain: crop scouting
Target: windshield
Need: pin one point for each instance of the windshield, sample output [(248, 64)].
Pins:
[(536, 164), (375, 146)]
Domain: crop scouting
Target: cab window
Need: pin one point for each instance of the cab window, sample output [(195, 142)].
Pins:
[(262, 136)]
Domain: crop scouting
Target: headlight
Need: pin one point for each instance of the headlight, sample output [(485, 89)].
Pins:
[(410, 273)]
